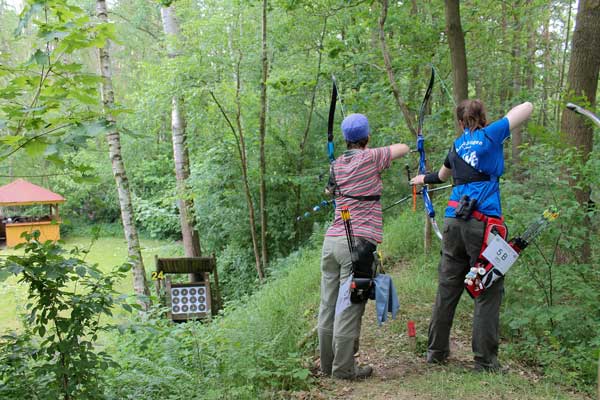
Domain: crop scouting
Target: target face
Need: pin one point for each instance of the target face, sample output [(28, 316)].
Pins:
[(189, 299)]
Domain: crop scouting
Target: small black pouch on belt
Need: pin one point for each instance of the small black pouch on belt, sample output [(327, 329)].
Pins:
[(465, 207)]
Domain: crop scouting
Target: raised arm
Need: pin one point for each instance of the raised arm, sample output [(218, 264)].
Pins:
[(399, 150), (519, 114)]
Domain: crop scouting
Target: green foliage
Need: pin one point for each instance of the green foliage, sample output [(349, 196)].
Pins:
[(552, 313), (245, 353), (49, 101), (66, 298), (157, 219), (49, 107)]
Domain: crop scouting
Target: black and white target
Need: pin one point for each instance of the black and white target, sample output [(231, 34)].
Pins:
[(189, 299)]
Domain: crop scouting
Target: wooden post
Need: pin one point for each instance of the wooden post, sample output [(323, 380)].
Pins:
[(168, 297), (218, 304), (157, 280)]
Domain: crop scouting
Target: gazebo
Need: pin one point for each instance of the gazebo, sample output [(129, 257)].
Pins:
[(23, 193)]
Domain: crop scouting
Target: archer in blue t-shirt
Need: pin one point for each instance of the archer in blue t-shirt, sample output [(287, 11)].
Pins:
[(475, 163), (480, 147), (482, 150)]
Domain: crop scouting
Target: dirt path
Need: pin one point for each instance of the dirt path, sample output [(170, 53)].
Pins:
[(394, 362), (400, 370)]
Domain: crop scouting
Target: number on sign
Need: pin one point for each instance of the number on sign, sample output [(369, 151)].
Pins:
[(157, 275)]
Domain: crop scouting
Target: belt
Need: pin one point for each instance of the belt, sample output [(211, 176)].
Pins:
[(475, 214)]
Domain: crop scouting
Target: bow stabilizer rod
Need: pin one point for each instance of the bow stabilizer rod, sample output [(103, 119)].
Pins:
[(583, 111)]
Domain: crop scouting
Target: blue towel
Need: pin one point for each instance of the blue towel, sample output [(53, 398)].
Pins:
[(386, 299)]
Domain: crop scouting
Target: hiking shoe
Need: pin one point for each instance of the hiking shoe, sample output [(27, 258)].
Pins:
[(437, 357), (363, 372), (433, 360), (322, 374), (491, 370), (359, 373)]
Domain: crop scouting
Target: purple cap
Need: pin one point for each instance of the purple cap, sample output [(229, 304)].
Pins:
[(355, 127)]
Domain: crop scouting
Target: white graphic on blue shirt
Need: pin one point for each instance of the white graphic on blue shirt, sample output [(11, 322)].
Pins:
[(471, 159)]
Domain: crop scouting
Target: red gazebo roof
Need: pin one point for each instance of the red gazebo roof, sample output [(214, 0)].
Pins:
[(22, 193)]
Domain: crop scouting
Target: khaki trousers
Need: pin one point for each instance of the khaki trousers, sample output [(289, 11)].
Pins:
[(338, 335)]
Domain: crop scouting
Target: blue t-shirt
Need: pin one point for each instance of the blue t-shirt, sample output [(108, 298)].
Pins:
[(482, 149)]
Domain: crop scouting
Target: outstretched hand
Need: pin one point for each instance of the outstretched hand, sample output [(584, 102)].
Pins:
[(417, 180)]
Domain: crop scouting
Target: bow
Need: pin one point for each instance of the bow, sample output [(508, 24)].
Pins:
[(334, 98), (330, 146), (422, 158)]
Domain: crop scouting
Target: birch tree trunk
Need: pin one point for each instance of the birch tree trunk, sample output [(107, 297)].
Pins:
[(547, 64), (262, 132), (191, 238), (140, 285)]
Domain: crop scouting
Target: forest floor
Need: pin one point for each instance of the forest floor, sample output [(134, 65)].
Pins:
[(401, 372)]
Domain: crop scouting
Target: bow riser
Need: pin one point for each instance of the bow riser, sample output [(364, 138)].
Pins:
[(422, 157)]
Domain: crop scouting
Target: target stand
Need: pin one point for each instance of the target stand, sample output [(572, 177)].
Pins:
[(193, 300)]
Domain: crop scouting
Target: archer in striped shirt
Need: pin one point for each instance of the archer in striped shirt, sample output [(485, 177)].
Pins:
[(356, 183), (358, 173)]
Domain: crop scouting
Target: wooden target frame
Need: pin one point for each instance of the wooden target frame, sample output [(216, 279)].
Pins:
[(183, 305)]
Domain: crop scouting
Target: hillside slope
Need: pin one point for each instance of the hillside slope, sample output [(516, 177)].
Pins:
[(400, 370)]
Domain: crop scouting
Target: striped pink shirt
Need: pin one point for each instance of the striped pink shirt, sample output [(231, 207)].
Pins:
[(358, 173)]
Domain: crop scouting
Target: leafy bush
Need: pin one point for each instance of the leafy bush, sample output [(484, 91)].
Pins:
[(248, 351), (157, 219), (552, 309), (54, 357)]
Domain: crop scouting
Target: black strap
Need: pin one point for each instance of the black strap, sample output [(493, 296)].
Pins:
[(462, 171)]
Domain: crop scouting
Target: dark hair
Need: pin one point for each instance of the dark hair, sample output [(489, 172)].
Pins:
[(472, 114), (360, 144)]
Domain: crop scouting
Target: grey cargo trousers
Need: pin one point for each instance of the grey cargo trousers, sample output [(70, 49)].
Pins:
[(338, 335), (460, 248)]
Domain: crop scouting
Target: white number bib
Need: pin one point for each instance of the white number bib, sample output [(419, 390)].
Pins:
[(500, 254)]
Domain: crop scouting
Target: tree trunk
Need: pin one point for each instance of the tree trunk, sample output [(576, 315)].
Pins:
[(561, 76), (191, 238), (458, 55), (241, 146), (140, 285), (543, 119), (583, 82), (517, 133), (408, 117), (262, 132), (300, 164)]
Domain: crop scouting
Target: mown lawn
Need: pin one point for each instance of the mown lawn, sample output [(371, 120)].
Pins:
[(107, 252)]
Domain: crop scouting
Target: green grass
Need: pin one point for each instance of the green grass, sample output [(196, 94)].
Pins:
[(250, 351), (415, 278), (465, 385), (107, 252)]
